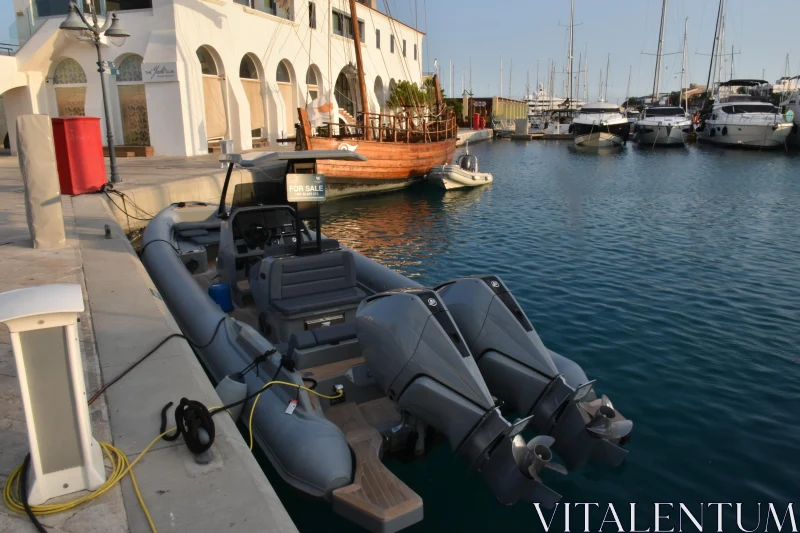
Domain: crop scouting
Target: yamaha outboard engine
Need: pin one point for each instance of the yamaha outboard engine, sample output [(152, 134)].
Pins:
[(531, 379), (417, 355)]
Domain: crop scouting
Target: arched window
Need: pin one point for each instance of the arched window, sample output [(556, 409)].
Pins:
[(380, 93), (207, 63), (248, 73), (213, 91), (69, 80), (344, 94), (312, 84), (282, 74), (247, 69), (133, 102)]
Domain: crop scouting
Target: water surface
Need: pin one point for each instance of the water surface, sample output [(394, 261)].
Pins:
[(671, 276)]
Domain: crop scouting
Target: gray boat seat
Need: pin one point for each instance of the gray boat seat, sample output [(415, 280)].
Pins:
[(291, 289)]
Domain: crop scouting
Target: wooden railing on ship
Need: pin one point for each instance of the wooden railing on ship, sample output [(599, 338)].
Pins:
[(396, 128)]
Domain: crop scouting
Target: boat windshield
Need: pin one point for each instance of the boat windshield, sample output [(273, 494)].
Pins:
[(748, 108), (664, 112), (598, 110)]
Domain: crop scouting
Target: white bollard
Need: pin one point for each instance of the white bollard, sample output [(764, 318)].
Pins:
[(43, 322)]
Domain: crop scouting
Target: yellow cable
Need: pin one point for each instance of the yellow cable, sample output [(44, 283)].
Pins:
[(120, 467), (268, 385)]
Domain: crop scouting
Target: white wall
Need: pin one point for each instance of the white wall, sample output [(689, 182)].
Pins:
[(172, 32)]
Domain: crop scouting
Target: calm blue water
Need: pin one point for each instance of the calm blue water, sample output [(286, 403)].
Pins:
[(671, 276)]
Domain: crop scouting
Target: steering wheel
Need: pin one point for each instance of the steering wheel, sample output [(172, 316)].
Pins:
[(255, 235)]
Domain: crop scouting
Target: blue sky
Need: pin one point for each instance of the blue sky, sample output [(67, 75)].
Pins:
[(528, 30)]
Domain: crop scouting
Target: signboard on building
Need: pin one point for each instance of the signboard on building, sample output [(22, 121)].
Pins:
[(166, 71), (305, 187)]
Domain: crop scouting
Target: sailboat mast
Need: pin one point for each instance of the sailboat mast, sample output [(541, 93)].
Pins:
[(586, 74), (684, 92), (608, 69), (600, 89), (360, 67), (628, 90), (569, 59), (510, 70), (501, 77), (659, 53), (578, 81), (713, 53)]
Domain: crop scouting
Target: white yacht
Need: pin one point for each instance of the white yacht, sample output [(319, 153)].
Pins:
[(663, 125), (741, 120), (791, 112), (600, 125)]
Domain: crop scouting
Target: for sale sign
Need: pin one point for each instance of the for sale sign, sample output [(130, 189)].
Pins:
[(305, 187)]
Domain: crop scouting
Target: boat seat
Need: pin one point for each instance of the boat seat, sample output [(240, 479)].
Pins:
[(290, 289), (304, 284), (322, 345)]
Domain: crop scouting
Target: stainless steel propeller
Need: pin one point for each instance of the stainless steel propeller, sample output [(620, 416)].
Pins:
[(535, 456), (605, 423)]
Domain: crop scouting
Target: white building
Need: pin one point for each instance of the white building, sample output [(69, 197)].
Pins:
[(196, 71)]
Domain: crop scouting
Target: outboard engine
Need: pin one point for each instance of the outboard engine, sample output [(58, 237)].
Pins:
[(417, 355), (531, 379)]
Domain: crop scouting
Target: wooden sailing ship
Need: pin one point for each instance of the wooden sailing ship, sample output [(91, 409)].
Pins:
[(400, 148)]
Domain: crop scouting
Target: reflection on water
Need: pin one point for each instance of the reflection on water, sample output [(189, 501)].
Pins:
[(403, 229), (671, 276)]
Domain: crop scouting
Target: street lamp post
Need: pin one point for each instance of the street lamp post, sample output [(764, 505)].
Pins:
[(76, 22)]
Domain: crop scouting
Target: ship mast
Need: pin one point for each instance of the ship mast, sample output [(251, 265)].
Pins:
[(714, 48), (608, 69), (569, 59), (362, 86), (659, 53), (683, 67)]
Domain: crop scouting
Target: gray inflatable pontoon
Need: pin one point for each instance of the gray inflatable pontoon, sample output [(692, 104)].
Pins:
[(406, 359)]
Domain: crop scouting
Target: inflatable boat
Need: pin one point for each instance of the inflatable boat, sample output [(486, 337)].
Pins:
[(393, 360), (464, 174)]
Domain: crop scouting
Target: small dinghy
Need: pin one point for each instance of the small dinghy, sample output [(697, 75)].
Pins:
[(341, 360), (464, 174)]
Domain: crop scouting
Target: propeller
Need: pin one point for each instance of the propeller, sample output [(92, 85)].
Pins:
[(534, 456), (605, 423)]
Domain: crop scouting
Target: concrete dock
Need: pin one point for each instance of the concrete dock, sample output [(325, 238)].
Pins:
[(124, 319)]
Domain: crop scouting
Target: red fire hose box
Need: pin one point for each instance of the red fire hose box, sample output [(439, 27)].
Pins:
[(476, 121), (79, 154)]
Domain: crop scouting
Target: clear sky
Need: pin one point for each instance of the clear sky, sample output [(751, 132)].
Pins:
[(525, 31)]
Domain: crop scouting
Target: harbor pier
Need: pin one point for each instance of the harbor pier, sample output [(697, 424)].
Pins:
[(124, 319)]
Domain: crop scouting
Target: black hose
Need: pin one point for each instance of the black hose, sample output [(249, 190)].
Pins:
[(23, 489)]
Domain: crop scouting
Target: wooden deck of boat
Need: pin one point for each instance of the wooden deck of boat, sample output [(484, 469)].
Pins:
[(377, 500)]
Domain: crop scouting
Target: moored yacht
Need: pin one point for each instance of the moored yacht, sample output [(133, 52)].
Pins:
[(663, 125), (600, 125), (791, 111), (740, 120)]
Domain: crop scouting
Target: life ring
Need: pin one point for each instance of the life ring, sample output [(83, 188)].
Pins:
[(724, 130)]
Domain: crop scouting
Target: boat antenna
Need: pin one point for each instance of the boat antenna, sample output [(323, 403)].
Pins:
[(659, 52), (360, 66), (466, 144), (713, 51)]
